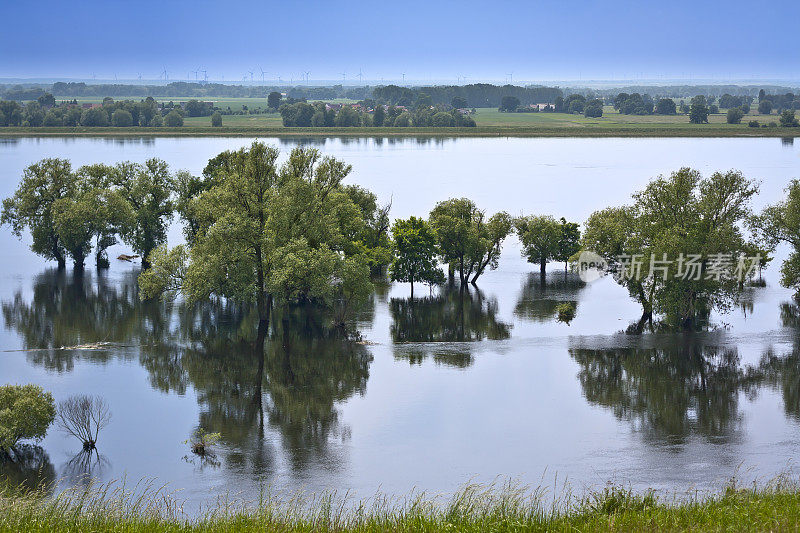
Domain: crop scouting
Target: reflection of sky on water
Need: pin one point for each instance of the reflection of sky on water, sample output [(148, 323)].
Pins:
[(533, 395)]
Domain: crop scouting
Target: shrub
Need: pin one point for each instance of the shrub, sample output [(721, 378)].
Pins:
[(753, 124), (173, 120), (121, 119), (566, 312), (26, 411), (202, 442), (765, 107), (216, 120)]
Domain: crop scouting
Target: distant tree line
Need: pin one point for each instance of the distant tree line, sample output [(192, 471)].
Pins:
[(44, 112), (178, 89), (473, 95), (778, 102), (369, 114)]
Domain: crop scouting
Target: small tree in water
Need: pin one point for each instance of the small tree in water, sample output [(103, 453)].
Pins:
[(83, 417)]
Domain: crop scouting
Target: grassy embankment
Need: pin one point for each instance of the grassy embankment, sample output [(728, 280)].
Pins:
[(775, 507), (490, 123)]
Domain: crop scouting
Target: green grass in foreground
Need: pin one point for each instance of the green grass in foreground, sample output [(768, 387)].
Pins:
[(775, 507)]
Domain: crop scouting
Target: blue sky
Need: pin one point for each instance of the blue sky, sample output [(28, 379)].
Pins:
[(535, 40)]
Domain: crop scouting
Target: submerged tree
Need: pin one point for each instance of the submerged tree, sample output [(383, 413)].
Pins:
[(43, 184), (96, 211), (415, 253), (541, 240), (679, 249), (26, 411), (83, 417), (148, 189), (780, 223), (465, 239), (268, 233)]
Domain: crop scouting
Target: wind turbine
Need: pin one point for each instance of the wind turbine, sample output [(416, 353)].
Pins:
[(511, 78), (344, 76), (404, 77), (139, 74), (164, 74), (360, 75), (205, 77), (262, 75), (307, 73)]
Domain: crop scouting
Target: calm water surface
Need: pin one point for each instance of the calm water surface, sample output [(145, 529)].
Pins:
[(454, 388)]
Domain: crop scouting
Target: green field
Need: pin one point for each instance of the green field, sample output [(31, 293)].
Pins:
[(490, 122), (476, 508)]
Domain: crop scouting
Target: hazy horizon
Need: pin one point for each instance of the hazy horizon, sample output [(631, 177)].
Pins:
[(414, 42)]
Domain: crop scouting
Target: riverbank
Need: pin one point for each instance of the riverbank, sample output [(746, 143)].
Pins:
[(775, 507), (634, 130)]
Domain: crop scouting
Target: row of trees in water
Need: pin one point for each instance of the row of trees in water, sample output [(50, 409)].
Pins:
[(271, 234)]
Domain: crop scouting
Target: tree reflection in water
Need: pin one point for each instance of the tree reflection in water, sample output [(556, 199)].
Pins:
[(452, 317), (669, 392), (247, 381), (28, 467), (71, 309), (538, 302), (85, 467)]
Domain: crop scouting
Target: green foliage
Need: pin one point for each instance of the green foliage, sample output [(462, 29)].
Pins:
[(216, 120), (31, 207), (734, 115), (26, 411), (414, 253), (443, 120), (765, 107), (148, 189), (780, 223), (509, 104), (541, 238), (173, 119), (593, 109), (698, 111), (459, 102), (266, 233), (682, 213), (274, 100), (465, 240), (666, 106), (788, 120), (94, 117), (565, 312), (121, 119)]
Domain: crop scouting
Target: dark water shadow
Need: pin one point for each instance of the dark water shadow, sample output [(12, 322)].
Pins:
[(538, 301)]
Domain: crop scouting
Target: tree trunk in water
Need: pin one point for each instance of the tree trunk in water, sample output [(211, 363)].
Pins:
[(542, 270), (62, 262), (412, 288), (647, 316), (78, 262)]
